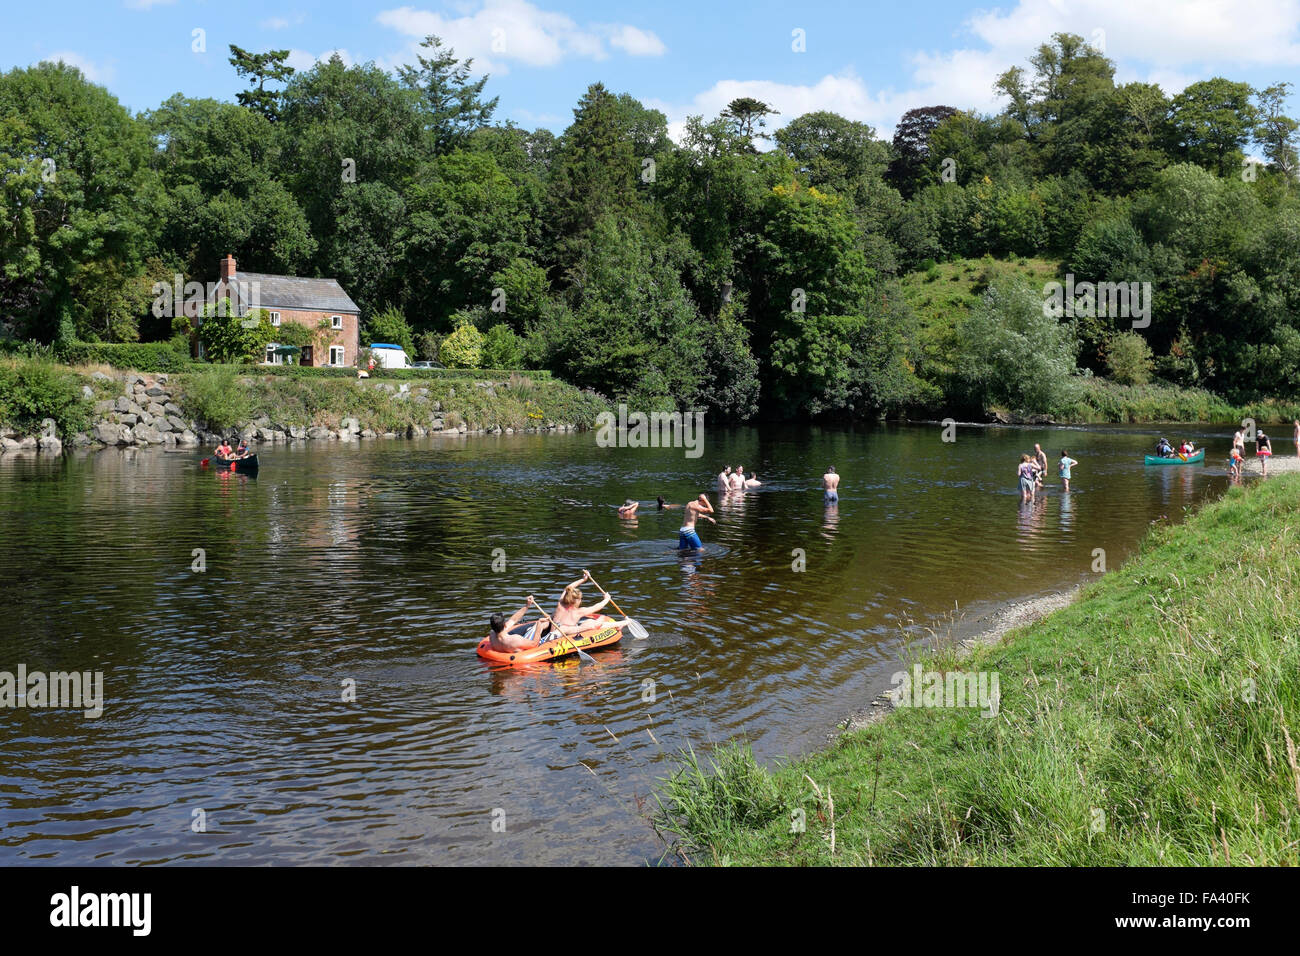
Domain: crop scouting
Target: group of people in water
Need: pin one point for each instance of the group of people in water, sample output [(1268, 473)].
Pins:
[(1263, 450), (1033, 467)]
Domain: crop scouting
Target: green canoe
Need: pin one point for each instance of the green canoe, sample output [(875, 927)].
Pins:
[(1195, 459)]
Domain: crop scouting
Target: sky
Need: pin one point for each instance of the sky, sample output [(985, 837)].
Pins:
[(868, 61)]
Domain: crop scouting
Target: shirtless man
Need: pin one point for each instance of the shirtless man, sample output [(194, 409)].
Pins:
[(724, 479), (831, 485), (499, 636), (687, 539), (1040, 459), (738, 478), (628, 508), (750, 482)]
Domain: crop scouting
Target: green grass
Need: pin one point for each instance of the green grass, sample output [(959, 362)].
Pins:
[(1154, 722), (1104, 401), (223, 398)]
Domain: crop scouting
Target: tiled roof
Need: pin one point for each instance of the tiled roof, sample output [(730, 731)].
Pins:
[(292, 292)]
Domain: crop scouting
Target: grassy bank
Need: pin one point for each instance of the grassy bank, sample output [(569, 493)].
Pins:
[(32, 389), (1154, 722)]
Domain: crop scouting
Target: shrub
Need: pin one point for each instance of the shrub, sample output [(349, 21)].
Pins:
[(230, 338), (463, 348), (427, 345), (216, 397), (138, 356), (502, 348), (1128, 358), (34, 389), (391, 328)]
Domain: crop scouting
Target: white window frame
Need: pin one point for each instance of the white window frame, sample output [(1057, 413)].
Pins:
[(275, 319), (342, 355), (336, 321), (271, 357)]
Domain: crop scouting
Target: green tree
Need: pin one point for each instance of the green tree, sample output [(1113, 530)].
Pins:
[(463, 348), (230, 339), (262, 67), (1275, 132), (1128, 358), (1212, 122), (747, 117), (391, 328), (502, 348), (452, 105)]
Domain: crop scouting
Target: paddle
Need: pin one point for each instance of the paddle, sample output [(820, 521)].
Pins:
[(639, 632), (583, 656)]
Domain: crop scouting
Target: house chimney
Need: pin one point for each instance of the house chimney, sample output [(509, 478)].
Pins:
[(228, 268)]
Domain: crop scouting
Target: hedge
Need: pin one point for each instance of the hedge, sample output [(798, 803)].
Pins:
[(334, 371), (138, 356)]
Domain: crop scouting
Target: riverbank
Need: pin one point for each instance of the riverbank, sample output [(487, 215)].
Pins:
[(1151, 722), (49, 405)]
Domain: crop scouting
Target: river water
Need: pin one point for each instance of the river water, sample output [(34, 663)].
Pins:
[(368, 571)]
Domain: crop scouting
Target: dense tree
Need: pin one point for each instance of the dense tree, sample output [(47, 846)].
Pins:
[(261, 67), (912, 146), (1212, 122), (451, 104)]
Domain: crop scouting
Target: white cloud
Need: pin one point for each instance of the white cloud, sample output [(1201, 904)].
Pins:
[(147, 4), (100, 73), (302, 60), (499, 32), (1170, 42), (636, 42)]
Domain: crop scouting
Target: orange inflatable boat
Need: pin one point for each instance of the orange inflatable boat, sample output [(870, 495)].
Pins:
[(597, 632)]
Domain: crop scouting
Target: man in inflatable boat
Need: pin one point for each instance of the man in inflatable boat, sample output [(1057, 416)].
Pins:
[(568, 618)]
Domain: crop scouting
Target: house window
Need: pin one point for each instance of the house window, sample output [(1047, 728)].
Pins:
[(336, 321), (275, 318), (271, 357), (336, 355)]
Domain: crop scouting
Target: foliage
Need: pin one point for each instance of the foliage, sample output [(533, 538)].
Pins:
[(227, 337), (1128, 357), (33, 389), (391, 328), (463, 348), (502, 348)]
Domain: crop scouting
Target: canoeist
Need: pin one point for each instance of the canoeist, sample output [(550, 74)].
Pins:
[(224, 450), (499, 627), (1164, 449), (687, 539), (569, 610)]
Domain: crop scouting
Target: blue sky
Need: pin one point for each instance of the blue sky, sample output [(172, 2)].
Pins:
[(869, 61)]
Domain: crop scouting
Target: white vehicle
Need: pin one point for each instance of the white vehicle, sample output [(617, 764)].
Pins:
[(389, 356)]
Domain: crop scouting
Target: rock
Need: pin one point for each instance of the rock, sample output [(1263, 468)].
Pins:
[(146, 434), (421, 391), (261, 421), (154, 409), (80, 439), (104, 407), (463, 428), (490, 392), (145, 417), (265, 434), (509, 431), (153, 391), (108, 433), (390, 434), (162, 379), (124, 404), (124, 419), (415, 431), (177, 423), (187, 437), (350, 425), (87, 392), (437, 406), (421, 399), (436, 425), (161, 424), (367, 433), (101, 377), (496, 430), (8, 444), (404, 387), (248, 432), (50, 445), (169, 439), (451, 391), (171, 408), (297, 431), (318, 432)]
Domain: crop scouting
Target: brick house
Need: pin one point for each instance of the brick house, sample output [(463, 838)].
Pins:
[(319, 304)]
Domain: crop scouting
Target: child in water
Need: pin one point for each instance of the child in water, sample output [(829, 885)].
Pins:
[(1064, 468)]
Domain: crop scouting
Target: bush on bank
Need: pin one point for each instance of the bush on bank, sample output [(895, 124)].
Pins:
[(1154, 722), (34, 389)]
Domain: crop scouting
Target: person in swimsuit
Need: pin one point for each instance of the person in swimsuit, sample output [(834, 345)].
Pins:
[(1040, 459), (1235, 462), (724, 479), (1064, 467), (1263, 449), (664, 506), (628, 508), (224, 450), (752, 481), (831, 485), (1239, 442), (499, 627), (687, 539), (738, 478), (1028, 474)]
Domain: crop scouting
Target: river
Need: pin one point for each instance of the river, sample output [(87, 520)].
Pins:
[(369, 571)]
